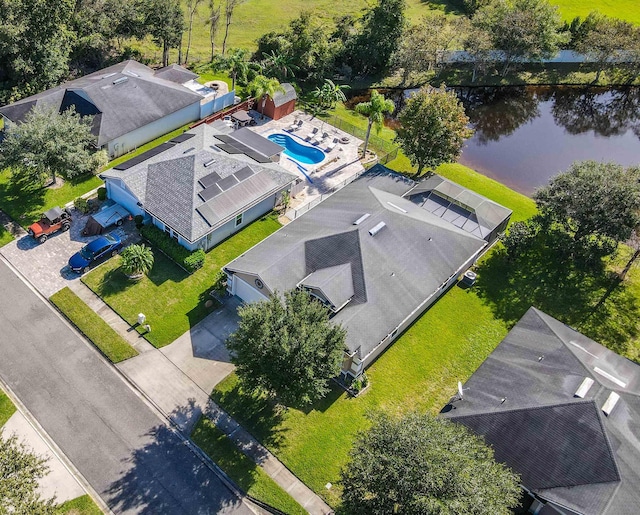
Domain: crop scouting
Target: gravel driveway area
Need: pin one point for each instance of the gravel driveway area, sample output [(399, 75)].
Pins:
[(45, 265)]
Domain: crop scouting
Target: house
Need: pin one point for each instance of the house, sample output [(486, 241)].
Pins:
[(564, 413), (204, 185), (130, 103), (377, 253), (282, 103)]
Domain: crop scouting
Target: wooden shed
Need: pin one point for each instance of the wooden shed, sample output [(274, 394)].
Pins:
[(281, 104)]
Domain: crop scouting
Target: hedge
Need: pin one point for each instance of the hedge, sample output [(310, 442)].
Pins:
[(191, 261)]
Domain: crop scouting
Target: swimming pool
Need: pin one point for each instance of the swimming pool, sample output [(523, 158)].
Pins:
[(301, 153)]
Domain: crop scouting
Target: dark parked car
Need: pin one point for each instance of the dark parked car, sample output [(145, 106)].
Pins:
[(94, 251)]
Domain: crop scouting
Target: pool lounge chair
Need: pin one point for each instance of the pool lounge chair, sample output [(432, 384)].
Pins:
[(294, 126), (331, 145), (319, 140), (311, 134)]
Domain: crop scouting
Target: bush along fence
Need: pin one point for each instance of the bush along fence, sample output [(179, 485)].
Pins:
[(186, 259)]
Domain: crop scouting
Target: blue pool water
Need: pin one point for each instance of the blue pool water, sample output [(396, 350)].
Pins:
[(301, 153)]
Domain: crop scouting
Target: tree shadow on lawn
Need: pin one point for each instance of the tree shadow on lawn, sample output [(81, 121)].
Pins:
[(165, 269), (592, 301), (257, 413), (112, 283)]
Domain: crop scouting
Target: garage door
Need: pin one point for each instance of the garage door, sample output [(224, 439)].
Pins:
[(247, 292)]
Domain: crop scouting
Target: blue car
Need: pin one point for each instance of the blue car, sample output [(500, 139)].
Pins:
[(98, 249)]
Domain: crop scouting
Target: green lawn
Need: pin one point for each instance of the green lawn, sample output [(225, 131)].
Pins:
[(628, 10), (83, 505), (6, 408), (418, 372), (172, 300), (89, 323), (5, 236), (242, 470), (25, 203)]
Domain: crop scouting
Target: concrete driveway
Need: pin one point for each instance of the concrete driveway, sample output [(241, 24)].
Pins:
[(45, 264), (185, 372)]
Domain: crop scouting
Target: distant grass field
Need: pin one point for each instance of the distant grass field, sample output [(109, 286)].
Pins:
[(256, 17)]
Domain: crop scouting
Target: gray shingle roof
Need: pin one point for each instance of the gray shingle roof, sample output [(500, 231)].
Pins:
[(280, 98), (168, 184), (334, 283), (565, 448), (393, 273), (175, 73), (126, 96)]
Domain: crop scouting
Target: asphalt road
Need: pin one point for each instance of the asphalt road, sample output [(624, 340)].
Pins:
[(122, 448)]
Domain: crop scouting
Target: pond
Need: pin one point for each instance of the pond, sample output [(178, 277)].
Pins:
[(526, 135)]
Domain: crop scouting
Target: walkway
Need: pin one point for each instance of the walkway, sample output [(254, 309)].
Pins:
[(178, 378)]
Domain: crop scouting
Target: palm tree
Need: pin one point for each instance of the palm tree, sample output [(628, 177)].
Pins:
[(137, 260), (330, 93), (278, 64), (236, 63), (261, 87), (374, 110)]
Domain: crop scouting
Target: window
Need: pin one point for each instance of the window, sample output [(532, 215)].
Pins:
[(238, 219)]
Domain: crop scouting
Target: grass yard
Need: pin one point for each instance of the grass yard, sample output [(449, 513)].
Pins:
[(628, 10), (6, 408), (89, 323), (5, 236), (242, 470), (83, 505), (25, 203), (172, 300), (418, 372)]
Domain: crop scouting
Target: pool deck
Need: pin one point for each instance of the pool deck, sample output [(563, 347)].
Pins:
[(339, 167)]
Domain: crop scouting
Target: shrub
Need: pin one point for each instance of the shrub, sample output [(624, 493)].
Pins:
[(82, 205), (195, 261), (139, 220), (191, 261), (220, 283), (102, 193), (137, 260)]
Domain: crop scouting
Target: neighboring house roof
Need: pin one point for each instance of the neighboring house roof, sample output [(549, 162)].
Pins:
[(280, 98), (193, 187), (465, 208), (122, 97), (175, 73), (392, 273), (565, 448)]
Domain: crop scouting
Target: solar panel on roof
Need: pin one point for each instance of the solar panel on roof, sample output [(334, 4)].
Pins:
[(209, 180), (256, 156), (143, 157), (225, 138), (227, 182), (210, 192), (229, 149), (182, 138), (243, 174)]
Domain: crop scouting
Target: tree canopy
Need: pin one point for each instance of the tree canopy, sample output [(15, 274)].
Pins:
[(50, 144), (524, 30), (20, 471), (433, 128), (422, 464), (593, 200), (374, 110), (287, 347)]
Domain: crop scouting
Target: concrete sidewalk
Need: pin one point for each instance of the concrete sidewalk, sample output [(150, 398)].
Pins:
[(59, 482), (179, 378)]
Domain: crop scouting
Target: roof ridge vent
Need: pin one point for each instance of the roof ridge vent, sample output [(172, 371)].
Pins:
[(397, 207), (109, 75), (362, 219), (377, 228), (610, 403), (133, 74), (120, 80), (189, 150), (209, 163), (584, 387)]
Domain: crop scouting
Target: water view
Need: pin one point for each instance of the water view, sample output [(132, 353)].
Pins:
[(526, 135)]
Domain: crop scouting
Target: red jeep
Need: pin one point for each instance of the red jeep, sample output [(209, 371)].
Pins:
[(52, 221)]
